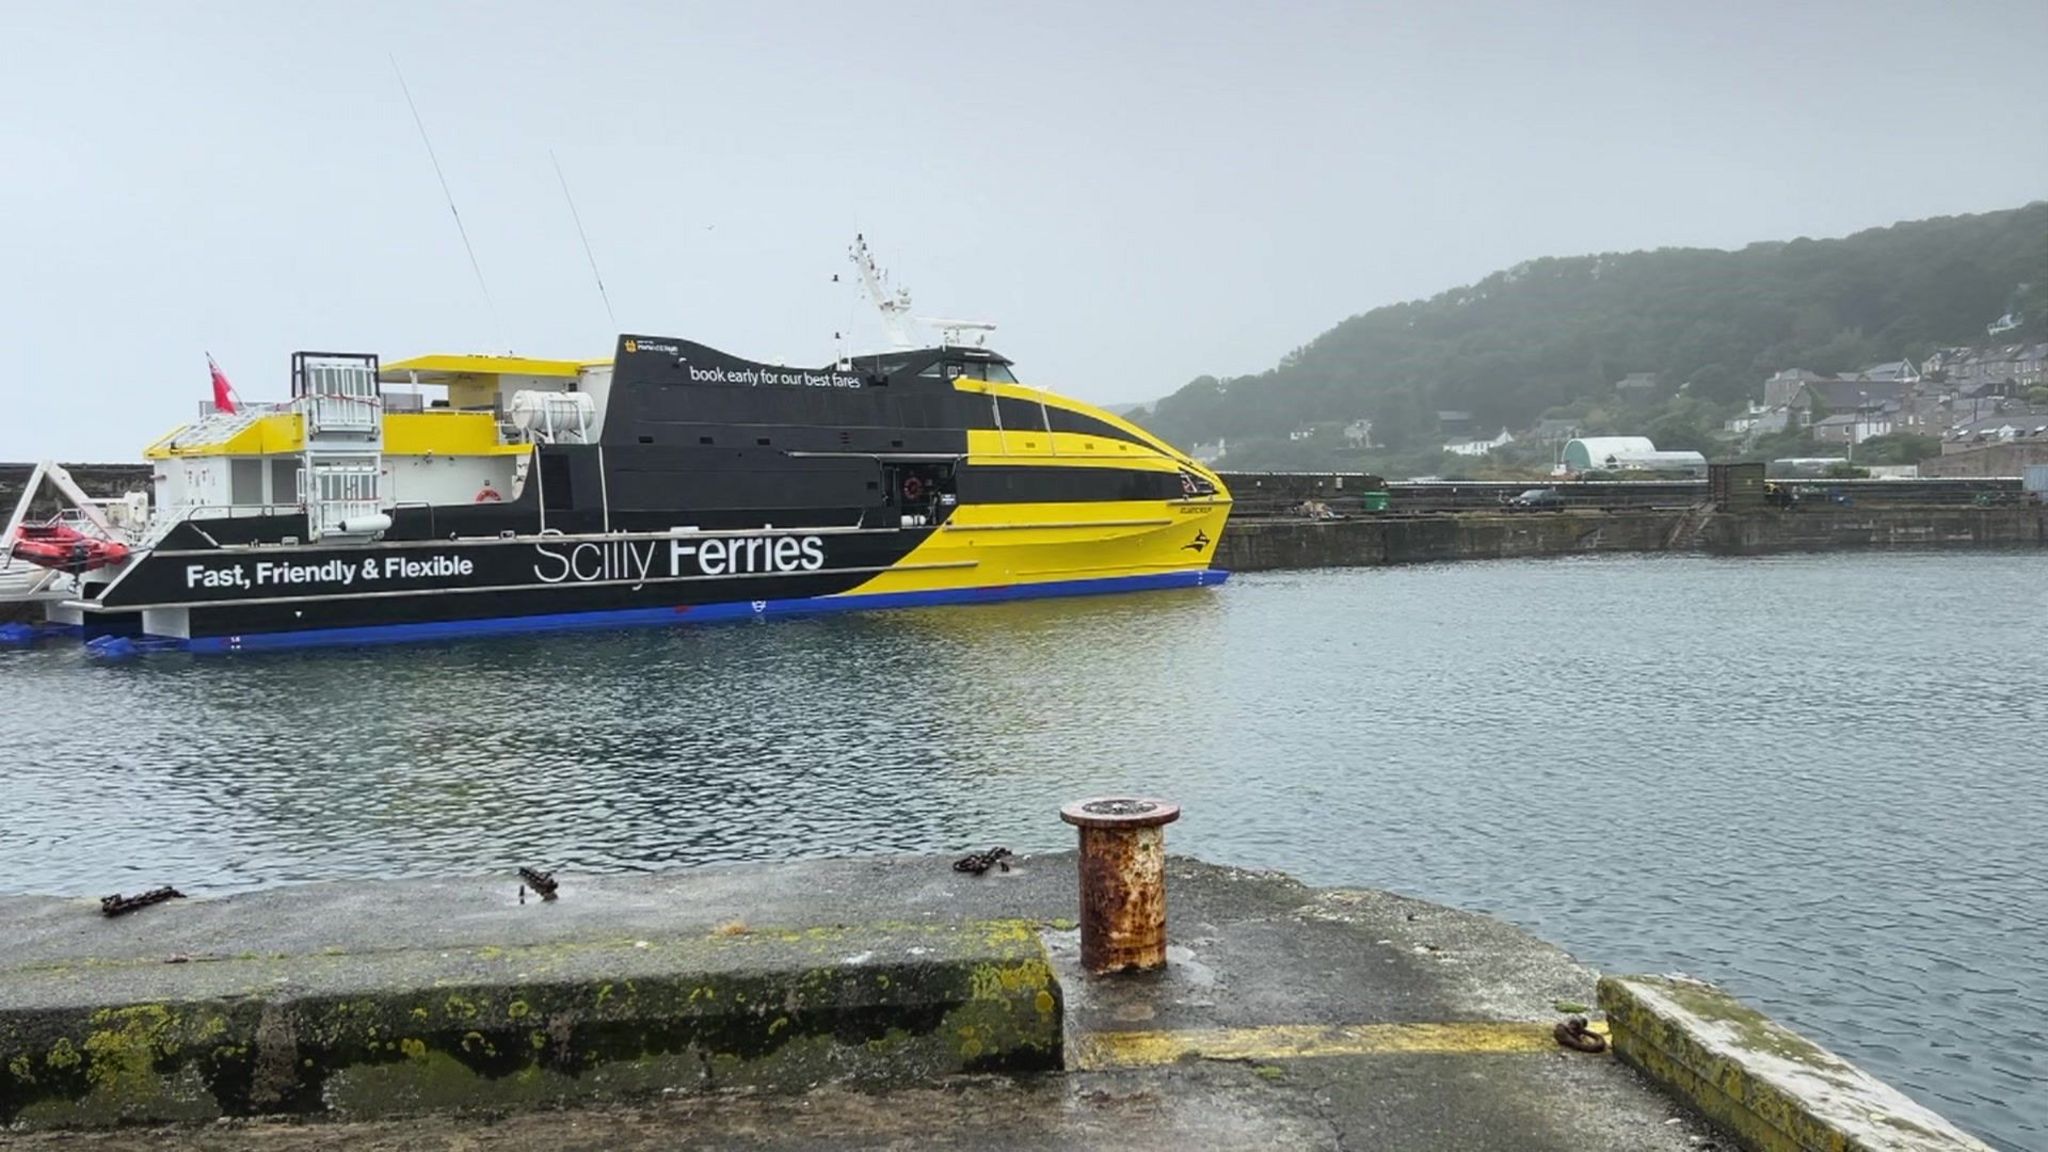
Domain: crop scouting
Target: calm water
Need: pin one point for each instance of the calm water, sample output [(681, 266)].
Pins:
[(1817, 780)]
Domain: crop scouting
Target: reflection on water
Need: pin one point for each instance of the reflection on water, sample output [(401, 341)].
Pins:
[(1814, 779)]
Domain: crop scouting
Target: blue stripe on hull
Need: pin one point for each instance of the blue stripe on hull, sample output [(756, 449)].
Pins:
[(701, 613)]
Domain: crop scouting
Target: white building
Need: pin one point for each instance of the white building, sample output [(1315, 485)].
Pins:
[(1759, 419), (1479, 447), (1628, 454), (1852, 427)]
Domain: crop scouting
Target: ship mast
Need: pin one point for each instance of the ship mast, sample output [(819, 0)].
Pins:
[(895, 309)]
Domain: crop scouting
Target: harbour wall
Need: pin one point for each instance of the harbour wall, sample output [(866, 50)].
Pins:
[(1256, 544), (1286, 1015), (1257, 540), (96, 479)]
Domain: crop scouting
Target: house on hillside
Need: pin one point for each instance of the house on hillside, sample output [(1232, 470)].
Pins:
[(1781, 388), (1970, 403), (1962, 386), (2017, 422), (1554, 430), (1759, 420), (1450, 422), (1358, 433), (1832, 429), (1636, 385), (1853, 427), (1479, 447), (1938, 362), (1901, 371), (1208, 453), (2030, 365), (1820, 399), (2020, 365)]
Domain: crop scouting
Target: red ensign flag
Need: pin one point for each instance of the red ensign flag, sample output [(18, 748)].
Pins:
[(223, 392)]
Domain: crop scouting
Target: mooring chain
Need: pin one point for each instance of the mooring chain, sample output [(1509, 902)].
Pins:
[(117, 904), (1574, 1034), (541, 882), (980, 862)]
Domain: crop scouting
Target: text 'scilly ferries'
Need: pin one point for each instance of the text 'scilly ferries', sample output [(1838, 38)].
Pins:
[(448, 495)]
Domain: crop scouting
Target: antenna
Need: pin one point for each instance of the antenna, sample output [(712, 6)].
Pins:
[(475, 267), (578, 218), (954, 333), (876, 282)]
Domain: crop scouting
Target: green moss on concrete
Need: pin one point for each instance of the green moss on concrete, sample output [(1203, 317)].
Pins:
[(1011, 1019), (63, 1056), (1756, 1031), (1709, 1098), (115, 1065), (126, 1046), (763, 1010), (1775, 1089), (437, 1081), (1900, 1123)]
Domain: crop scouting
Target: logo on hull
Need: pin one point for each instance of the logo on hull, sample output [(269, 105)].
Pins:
[(636, 561)]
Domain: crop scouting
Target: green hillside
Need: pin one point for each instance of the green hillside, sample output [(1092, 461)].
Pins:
[(1552, 336)]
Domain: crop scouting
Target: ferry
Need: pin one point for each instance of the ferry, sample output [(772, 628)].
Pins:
[(449, 495)]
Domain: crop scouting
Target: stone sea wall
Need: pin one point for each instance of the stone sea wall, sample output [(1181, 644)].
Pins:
[(1253, 545), (96, 479), (1256, 543)]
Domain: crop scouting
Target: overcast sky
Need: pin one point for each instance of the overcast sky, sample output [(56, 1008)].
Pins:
[(1136, 193)]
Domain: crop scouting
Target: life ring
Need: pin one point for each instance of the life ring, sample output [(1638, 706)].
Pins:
[(913, 488), (488, 495)]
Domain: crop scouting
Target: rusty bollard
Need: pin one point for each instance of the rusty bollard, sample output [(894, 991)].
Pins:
[(1123, 881)]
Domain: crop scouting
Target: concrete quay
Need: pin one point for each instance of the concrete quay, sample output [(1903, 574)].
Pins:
[(864, 1003), (1256, 545)]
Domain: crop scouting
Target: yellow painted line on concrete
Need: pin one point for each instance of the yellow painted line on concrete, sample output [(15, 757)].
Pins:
[(1293, 1041)]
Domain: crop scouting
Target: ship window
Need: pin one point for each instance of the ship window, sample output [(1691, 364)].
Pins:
[(704, 440), (978, 370), (931, 370), (647, 439), (245, 481), (761, 440), (555, 490), (284, 481)]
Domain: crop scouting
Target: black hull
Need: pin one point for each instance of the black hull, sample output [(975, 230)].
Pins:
[(258, 590)]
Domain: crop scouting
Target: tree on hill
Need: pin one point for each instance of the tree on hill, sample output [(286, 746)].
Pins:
[(1557, 333), (1792, 443), (1898, 448)]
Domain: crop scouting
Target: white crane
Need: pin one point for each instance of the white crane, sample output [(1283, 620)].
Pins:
[(895, 309)]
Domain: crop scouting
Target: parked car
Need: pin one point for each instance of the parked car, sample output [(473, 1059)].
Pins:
[(1536, 498)]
